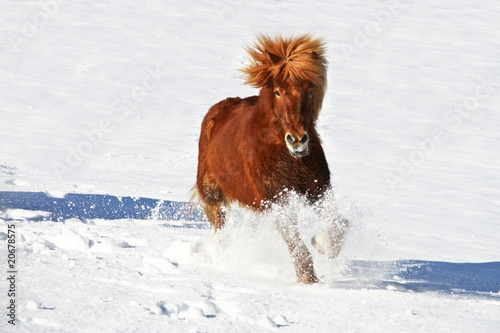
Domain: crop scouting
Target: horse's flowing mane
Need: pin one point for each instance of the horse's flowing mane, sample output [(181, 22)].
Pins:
[(295, 57)]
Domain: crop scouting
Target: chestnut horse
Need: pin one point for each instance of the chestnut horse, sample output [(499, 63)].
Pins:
[(253, 150)]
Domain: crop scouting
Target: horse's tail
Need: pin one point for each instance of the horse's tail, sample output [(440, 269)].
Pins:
[(194, 196), (194, 201)]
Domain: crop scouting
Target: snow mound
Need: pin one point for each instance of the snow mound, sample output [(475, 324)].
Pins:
[(68, 239)]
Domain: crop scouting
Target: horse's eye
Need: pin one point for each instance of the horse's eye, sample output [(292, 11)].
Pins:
[(311, 93), (277, 93)]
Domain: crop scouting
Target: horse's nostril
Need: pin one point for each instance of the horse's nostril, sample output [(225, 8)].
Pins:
[(290, 139), (304, 138)]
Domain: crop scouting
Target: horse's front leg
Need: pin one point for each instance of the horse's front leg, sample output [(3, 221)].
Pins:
[(301, 257), (330, 240)]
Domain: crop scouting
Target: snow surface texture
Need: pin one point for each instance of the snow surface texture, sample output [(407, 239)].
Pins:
[(105, 98)]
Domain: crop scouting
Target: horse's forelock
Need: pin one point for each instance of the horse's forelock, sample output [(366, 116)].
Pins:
[(299, 58)]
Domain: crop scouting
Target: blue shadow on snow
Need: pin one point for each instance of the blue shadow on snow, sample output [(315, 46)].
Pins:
[(477, 279), (94, 206)]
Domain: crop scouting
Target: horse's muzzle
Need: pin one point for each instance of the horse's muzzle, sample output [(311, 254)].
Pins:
[(297, 147)]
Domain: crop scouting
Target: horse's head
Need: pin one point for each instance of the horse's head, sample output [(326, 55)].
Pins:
[(292, 73), (293, 109)]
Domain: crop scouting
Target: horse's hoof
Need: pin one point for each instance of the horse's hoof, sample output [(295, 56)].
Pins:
[(308, 278), (325, 244)]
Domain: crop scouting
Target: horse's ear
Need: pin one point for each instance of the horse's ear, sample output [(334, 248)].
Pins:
[(273, 58), (314, 55)]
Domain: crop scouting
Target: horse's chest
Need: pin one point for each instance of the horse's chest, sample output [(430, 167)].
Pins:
[(287, 173)]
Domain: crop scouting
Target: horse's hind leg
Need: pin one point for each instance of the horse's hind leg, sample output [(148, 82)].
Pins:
[(214, 201), (216, 215)]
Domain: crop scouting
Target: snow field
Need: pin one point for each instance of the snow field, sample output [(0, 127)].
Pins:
[(108, 98), (116, 276)]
